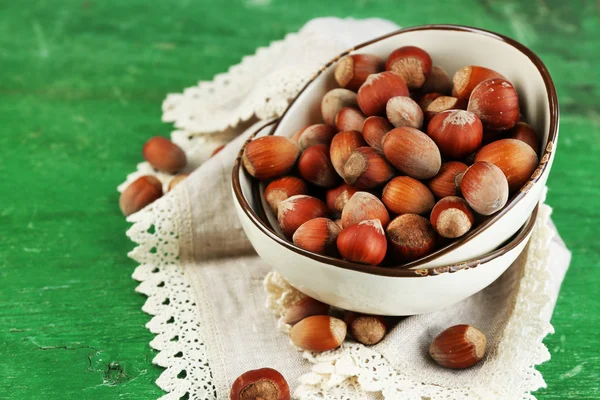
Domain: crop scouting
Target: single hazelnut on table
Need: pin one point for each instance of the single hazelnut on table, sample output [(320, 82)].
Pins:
[(373, 130), (404, 111), (484, 187), (410, 237), (458, 347), (270, 156), (318, 235), (406, 195), (363, 242), (293, 212), (342, 145), (412, 152), (349, 119), (164, 155), (364, 206), (457, 133), (439, 81), (366, 168), (334, 101), (264, 384), (515, 158), (374, 94), (366, 329), (176, 180), (353, 70), (315, 166), (524, 132), (444, 183), (496, 103), (314, 134), (318, 333), (139, 194), (452, 217), (465, 79), (337, 198), (427, 99), (443, 103), (412, 63), (283, 188), (306, 307)]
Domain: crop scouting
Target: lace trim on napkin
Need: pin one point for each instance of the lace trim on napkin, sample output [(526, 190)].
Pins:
[(352, 370)]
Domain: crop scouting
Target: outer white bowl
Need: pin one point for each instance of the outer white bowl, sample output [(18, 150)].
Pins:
[(395, 291)]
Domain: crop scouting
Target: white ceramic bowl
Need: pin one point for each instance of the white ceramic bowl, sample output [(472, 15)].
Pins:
[(394, 291)]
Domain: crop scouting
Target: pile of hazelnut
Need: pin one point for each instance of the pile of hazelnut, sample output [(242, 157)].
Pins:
[(407, 159)]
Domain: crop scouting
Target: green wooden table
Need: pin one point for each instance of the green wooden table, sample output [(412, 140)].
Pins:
[(81, 83)]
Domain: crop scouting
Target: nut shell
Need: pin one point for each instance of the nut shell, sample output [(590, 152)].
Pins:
[(374, 94), (515, 158), (366, 329), (460, 346), (465, 79), (318, 235), (349, 119), (443, 103), (270, 156), (410, 237), (315, 166), (484, 187), (176, 180), (353, 70), (334, 101), (374, 129), (342, 145), (139, 194), (306, 307), (412, 152), (164, 155), (452, 217), (337, 198), (496, 103), (439, 81), (318, 333), (264, 384), (313, 135), (524, 132), (406, 195), (444, 183), (366, 168), (363, 242), (364, 206), (404, 111), (457, 133), (412, 63), (293, 212), (283, 188)]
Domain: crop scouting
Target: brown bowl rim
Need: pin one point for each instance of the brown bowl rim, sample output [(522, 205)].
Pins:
[(486, 223)]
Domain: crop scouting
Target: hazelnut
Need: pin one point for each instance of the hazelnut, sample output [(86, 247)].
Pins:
[(374, 94), (349, 119), (293, 212), (176, 180), (412, 152), (306, 307), (444, 183), (337, 198), (334, 101), (373, 130), (342, 145), (164, 155), (353, 70), (404, 111), (139, 194), (484, 187), (412, 63), (427, 99), (366, 168), (364, 206), (443, 103), (439, 82), (363, 242), (410, 237), (515, 158), (264, 384), (318, 235), (524, 132), (457, 133), (318, 333), (460, 346), (315, 166), (465, 79), (366, 329), (406, 195), (283, 188), (314, 134), (496, 103), (270, 156), (452, 217)]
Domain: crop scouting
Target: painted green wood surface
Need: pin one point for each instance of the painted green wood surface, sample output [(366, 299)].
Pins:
[(81, 83)]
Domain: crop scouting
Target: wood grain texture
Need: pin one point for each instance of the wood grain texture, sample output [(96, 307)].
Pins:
[(80, 91)]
